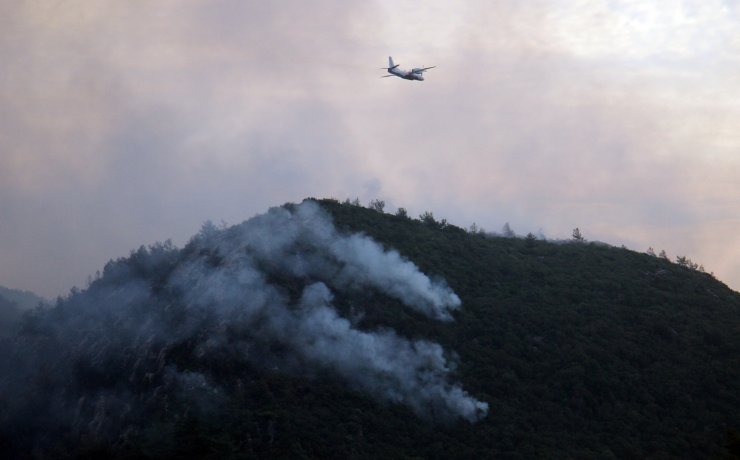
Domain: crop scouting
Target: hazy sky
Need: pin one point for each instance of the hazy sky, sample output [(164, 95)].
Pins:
[(126, 123)]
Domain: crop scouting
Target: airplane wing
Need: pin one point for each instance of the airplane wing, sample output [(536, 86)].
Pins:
[(426, 68), (386, 76)]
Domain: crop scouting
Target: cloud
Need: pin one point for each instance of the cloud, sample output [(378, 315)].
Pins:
[(531, 121), (144, 120), (129, 122)]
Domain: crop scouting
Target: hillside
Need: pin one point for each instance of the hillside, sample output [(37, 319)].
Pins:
[(13, 303), (10, 316), (25, 300), (302, 333)]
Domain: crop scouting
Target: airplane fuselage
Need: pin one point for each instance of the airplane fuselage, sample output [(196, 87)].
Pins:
[(407, 74)]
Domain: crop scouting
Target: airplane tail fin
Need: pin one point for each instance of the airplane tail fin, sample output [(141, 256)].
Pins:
[(391, 65)]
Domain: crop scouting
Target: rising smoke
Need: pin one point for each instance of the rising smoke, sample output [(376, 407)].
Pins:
[(100, 351)]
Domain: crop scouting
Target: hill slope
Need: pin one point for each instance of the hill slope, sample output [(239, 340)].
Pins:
[(25, 300), (13, 303), (300, 335)]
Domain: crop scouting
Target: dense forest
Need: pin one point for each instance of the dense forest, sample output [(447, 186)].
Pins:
[(23, 300), (13, 303), (330, 330)]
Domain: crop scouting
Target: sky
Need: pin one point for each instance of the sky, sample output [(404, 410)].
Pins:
[(127, 123)]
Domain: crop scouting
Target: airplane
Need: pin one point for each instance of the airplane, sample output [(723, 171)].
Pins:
[(413, 74)]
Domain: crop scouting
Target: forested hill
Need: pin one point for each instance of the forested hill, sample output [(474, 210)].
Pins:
[(582, 349), (25, 300), (336, 331), (13, 303)]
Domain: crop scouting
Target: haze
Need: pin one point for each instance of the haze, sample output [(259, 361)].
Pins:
[(126, 123)]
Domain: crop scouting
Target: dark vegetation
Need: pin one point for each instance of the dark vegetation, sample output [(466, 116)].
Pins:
[(24, 300), (581, 351), (13, 303), (10, 316)]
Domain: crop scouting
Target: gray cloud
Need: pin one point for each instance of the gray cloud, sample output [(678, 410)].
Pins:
[(126, 123)]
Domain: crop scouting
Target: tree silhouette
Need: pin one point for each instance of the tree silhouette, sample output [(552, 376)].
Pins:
[(577, 236)]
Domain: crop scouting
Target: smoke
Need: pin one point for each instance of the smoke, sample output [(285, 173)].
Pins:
[(394, 368), (257, 294), (304, 244)]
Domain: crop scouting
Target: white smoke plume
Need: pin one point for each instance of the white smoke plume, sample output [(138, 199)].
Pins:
[(304, 243), (400, 370)]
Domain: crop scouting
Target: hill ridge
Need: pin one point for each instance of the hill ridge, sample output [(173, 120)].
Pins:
[(577, 350)]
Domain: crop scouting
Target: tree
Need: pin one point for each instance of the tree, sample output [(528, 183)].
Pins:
[(476, 230), (577, 236), (650, 251), (377, 205), (663, 255), (402, 213), (507, 231), (207, 231), (427, 217), (684, 261)]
